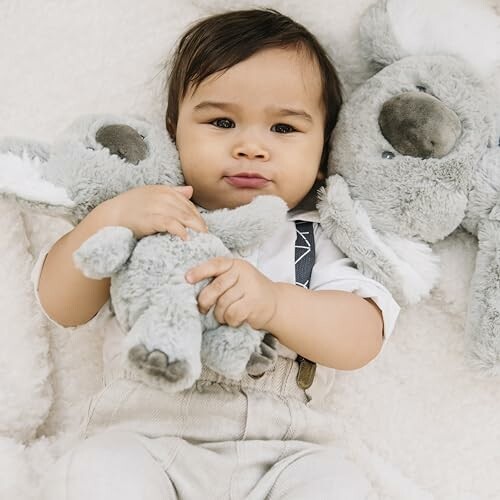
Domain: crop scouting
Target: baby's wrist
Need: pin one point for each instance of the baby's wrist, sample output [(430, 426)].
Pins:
[(107, 214), (276, 298)]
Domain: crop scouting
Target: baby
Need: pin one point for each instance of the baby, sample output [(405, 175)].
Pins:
[(252, 102)]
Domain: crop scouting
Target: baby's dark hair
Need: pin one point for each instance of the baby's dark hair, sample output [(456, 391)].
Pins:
[(218, 42)]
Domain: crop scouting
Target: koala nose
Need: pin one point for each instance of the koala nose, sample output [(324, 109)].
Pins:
[(418, 124), (123, 141)]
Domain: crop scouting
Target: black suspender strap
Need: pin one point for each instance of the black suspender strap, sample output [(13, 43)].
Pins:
[(305, 253), (304, 261)]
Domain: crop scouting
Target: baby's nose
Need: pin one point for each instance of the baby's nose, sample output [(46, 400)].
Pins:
[(251, 151)]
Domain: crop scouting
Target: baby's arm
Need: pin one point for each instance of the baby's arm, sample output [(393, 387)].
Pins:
[(334, 328), (69, 297), (332, 324)]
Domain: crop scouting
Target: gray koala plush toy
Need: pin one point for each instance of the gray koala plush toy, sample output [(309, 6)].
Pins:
[(415, 154), (167, 338)]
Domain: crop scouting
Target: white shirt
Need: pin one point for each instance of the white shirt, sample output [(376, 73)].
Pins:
[(276, 260)]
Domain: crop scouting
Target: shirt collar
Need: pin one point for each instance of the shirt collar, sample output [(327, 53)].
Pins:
[(292, 215), (305, 215)]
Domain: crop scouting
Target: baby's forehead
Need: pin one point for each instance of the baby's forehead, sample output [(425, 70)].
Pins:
[(287, 61), (284, 76)]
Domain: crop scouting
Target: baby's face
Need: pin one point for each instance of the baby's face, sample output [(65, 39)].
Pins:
[(255, 129)]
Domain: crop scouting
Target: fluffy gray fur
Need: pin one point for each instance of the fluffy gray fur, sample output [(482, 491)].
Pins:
[(415, 154), (99, 157)]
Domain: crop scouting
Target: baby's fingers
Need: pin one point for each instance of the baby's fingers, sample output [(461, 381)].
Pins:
[(196, 223), (209, 269), (172, 226), (186, 191), (188, 215), (185, 203), (222, 286)]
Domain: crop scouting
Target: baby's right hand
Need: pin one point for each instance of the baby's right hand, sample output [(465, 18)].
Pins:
[(156, 209)]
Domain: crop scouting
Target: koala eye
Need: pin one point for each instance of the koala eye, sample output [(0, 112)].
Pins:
[(387, 155), (421, 88)]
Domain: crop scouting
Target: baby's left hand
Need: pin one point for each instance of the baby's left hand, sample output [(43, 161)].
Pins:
[(239, 291)]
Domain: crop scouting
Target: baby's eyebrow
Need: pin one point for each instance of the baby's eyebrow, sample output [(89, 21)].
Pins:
[(227, 106), (294, 112), (213, 104)]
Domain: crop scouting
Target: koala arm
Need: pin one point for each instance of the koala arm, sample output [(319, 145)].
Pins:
[(248, 225), (482, 327), (105, 252), (406, 267), (485, 192)]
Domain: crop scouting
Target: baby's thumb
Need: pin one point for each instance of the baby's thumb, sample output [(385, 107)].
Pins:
[(186, 191)]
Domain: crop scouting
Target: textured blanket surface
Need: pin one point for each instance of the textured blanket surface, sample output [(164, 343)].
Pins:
[(418, 421)]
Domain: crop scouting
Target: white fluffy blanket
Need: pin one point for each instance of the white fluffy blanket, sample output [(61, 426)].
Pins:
[(420, 423)]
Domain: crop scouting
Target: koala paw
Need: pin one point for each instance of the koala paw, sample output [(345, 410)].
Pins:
[(105, 252), (264, 358), (156, 363)]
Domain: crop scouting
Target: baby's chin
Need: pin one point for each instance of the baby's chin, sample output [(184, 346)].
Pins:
[(228, 200)]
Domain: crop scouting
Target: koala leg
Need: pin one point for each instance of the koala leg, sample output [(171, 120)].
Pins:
[(227, 350), (264, 358), (482, 326), (164, 343)]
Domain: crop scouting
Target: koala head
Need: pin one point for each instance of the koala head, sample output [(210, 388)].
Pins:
[(96, 158), (409, 139)]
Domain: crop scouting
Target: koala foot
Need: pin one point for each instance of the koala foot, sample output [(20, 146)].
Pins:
[(156, 363), (227, 349), (264, 358)]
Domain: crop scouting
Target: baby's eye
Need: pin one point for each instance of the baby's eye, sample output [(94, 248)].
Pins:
[(223, 123), (283, 128)]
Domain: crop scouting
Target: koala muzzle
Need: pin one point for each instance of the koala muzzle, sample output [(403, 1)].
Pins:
[(420, 125)]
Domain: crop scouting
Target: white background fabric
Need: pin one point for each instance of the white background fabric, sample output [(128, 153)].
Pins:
[(417, 419)]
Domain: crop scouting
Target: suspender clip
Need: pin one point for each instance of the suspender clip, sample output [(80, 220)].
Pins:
[(305, 375)]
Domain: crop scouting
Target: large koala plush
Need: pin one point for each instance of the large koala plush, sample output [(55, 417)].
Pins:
[(167, 338), (415, 154)]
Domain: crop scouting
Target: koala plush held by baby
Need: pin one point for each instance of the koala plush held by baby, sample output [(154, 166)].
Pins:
[(167, 338)]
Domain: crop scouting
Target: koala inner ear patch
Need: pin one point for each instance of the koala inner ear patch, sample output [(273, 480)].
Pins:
[(123, 141), (21, 176)]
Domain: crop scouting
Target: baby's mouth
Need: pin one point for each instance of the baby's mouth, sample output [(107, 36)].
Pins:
[(250, 180), (246, 182)]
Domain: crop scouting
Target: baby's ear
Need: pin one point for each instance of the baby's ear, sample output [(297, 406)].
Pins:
[(393, 29), (21, 177)]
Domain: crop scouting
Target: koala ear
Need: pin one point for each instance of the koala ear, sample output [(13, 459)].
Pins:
[(378, 42), (21, 177), (470, 29)]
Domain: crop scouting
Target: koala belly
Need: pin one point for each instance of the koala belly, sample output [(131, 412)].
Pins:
[(159, 262)]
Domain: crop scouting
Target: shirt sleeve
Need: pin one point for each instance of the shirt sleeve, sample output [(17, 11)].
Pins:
[(334, 271), (96, 320)]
